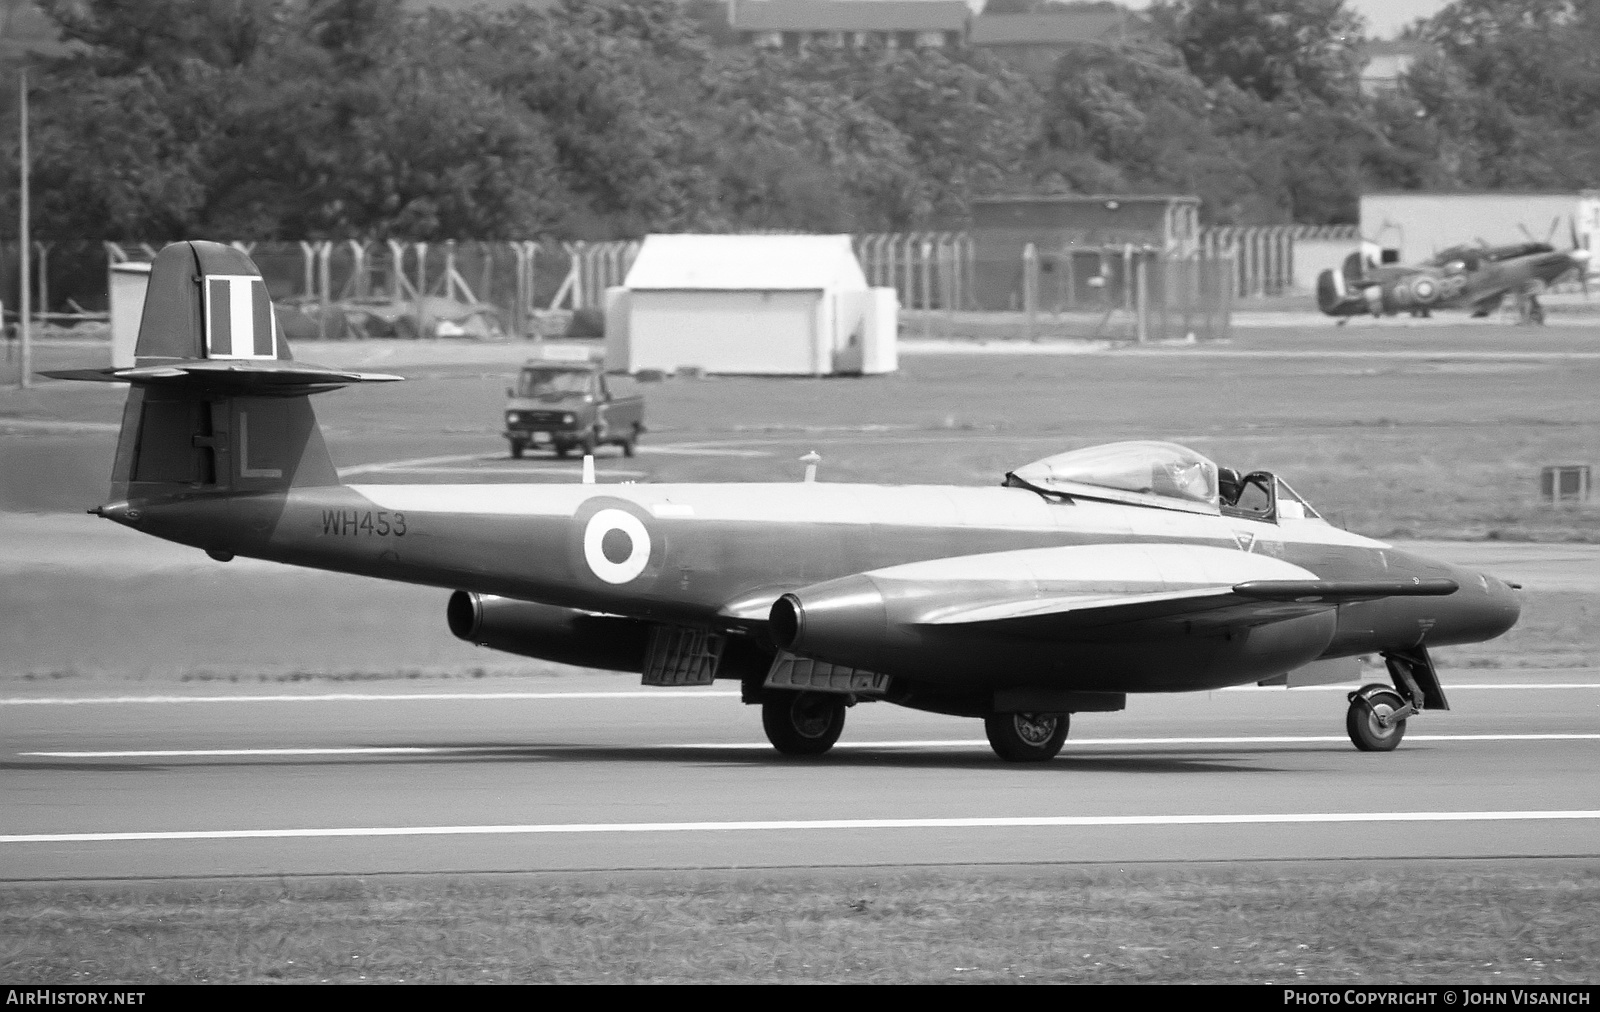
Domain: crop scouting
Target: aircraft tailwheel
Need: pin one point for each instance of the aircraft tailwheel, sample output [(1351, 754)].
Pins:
[(803, 723), (1026, 737), (1366, 718)]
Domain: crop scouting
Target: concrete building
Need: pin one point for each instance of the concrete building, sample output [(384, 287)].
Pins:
[(1409, 227), (1386, 61), (1003, 227), (798, 24), (783, 305)]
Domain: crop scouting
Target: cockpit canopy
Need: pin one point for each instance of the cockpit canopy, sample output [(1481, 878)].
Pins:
[(1145, 469), (1152, 473)]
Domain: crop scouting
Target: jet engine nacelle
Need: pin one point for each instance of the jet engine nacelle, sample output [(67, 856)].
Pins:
[(564, 635), (930, 622)]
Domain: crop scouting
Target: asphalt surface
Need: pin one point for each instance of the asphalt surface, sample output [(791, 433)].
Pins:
[(107, 778), (592, 772)]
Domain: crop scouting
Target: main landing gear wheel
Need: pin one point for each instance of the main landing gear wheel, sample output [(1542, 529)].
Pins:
[(1026, 737), (1366, 718), (803, 723)]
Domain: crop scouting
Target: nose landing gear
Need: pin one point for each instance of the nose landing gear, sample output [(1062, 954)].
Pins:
[(1376, 720)]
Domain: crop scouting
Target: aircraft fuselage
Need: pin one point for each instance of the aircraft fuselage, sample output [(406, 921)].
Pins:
[(682, 553)]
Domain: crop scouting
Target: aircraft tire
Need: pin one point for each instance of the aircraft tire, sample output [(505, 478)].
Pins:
[(1361, 721), (803, 723), (1026, 737)]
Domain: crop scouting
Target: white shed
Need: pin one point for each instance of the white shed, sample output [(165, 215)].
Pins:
[(769, 304)]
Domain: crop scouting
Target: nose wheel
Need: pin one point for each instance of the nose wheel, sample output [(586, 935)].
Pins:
[(803, 723), (1026, 737), (1376, 719)]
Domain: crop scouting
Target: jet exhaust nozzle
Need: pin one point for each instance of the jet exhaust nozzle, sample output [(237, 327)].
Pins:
[(548, 632), (787, 622)]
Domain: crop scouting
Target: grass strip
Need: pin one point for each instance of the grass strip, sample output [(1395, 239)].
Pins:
[(1356, 923)]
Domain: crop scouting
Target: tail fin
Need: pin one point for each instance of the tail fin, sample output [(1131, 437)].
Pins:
[(218, 404)]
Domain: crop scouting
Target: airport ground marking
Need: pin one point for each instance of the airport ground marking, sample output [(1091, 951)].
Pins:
[(373, 697), (804, 825), (534, 751)]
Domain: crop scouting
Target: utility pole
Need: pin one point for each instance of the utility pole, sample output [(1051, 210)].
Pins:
[(25, 299)]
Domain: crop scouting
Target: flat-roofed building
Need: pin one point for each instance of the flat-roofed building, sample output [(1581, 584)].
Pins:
[(1034, 43), (890, 24)]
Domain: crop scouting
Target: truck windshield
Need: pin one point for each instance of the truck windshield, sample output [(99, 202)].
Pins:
[(552, 383)]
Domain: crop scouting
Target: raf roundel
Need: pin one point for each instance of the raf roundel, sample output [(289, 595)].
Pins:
[(616, 546)]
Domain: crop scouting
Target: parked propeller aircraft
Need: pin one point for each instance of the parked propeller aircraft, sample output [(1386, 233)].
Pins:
[(1462, 277), (1126, 568)]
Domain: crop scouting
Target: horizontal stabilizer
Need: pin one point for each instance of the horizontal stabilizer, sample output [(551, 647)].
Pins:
[(1336, 591), (262, 376)]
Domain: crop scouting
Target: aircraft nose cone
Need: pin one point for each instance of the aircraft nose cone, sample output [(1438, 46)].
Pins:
[(1498, 609)]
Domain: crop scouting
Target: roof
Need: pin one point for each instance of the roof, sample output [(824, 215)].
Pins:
[(1045, 29), (1394, 47), (849, 16), (1088, 198), (743, 262)]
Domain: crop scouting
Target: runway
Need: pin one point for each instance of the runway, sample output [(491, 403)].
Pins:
[(593, 772)]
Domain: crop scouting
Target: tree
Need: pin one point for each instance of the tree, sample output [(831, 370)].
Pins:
[(1513, 91), (1269, 47), (159, 35)]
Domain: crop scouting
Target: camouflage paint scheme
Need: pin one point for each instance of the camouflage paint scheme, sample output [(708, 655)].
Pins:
[(1462, 277)]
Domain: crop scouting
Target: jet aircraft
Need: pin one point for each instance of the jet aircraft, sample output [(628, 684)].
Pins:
[(1479, 278), (1134, 567)]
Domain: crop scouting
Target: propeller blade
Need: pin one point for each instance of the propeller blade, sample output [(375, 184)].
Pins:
[(1555, 223), (1525, 232)]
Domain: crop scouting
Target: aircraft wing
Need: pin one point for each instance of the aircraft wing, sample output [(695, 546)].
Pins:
[(1242, 605), (1079, 592)]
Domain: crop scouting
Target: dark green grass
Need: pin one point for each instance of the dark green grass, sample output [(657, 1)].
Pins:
[(1304, 923)]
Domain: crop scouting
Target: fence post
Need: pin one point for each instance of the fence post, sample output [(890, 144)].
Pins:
[(308, 262), (43, 309), (1142, 299), (1030, 288)]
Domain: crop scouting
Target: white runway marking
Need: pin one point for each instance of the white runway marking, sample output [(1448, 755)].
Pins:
[(362, 697), (217, 752), (802, 825), (534, 750), (1449, 686), (382, 697)]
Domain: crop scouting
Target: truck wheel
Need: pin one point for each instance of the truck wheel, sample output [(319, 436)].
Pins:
[(631, 441), (562, 449), (588, 443), (517, 446)]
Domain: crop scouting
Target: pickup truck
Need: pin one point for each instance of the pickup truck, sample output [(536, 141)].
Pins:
[(569, 406)]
